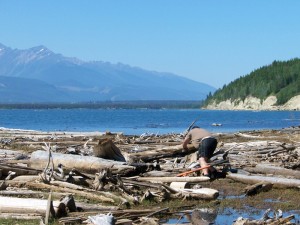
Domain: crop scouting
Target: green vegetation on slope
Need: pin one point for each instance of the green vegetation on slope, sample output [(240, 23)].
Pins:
[(281, 79)]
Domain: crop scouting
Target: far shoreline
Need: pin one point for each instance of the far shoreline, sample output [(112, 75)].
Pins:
[(108, 132), (150, 104)]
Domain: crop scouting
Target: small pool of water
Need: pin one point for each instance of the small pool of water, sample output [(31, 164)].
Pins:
[(226, 216)]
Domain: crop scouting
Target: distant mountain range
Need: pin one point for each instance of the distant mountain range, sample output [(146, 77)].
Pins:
[(39, 75)]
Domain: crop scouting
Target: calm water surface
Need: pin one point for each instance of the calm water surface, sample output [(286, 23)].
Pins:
[(138, 121)]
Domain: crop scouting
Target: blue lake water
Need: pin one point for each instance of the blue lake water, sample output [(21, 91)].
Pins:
[(138, 121), (227, 216)]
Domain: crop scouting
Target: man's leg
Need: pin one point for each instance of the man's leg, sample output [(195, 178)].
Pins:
[(203, 163), (206, 151)]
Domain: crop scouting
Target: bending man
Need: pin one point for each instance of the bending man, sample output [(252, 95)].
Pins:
[(206, 145)]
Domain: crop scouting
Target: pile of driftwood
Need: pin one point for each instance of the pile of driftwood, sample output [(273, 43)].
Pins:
[(59, 174)]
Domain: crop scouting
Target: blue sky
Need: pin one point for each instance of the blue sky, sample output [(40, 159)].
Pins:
[(210, 41)]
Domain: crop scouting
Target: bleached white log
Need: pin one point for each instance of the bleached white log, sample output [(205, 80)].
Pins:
[(201, 193), (20, 216), (26, 205), (179, 185), (88, 164)]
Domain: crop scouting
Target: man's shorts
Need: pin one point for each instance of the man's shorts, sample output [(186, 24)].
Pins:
[(207, 147)]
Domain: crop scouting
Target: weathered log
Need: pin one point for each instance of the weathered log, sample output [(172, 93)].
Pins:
[(173, 179), (156, 173), (93, 207), (85, 192), (67, 185), (19, 170), (275, 170), (142, 184), (89, 164), (257, 188), (201, 193), (70, 220), (179, 185), (123, 222), (21, 192), (6, 153), (276, 181), (21, 216), (128, 213), (48, 209), (89, 195), (106, 149), (162, 152), (32, 193), (29, 205), (26, 178)]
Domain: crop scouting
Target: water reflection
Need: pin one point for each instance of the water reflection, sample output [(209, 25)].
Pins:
[(225, 216)]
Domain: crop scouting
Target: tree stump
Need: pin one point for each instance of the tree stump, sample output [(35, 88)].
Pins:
[(106, 149)]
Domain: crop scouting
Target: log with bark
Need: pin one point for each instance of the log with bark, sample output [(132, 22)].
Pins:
[(257, 188), (19, 170), (159, 153)]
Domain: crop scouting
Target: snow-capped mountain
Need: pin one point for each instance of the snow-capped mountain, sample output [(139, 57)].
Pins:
[(65, 79)]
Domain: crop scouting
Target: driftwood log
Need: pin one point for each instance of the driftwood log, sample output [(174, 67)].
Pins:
[(276, 181), (88, 164), (275, 170), (173, 179), (19, 170), (84, 193), (200, 193), (160, 152), (257, 188), (30, 205), (21, 216)]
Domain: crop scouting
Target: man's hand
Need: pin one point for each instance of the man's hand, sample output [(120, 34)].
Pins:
[(185, 143)]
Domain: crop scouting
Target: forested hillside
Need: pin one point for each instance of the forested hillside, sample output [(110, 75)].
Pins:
[(281, 79)]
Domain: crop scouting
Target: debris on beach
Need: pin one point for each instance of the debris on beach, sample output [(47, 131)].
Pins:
[(64, 172)]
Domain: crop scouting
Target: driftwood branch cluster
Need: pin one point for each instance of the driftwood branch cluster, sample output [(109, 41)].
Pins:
[(119, 172)]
